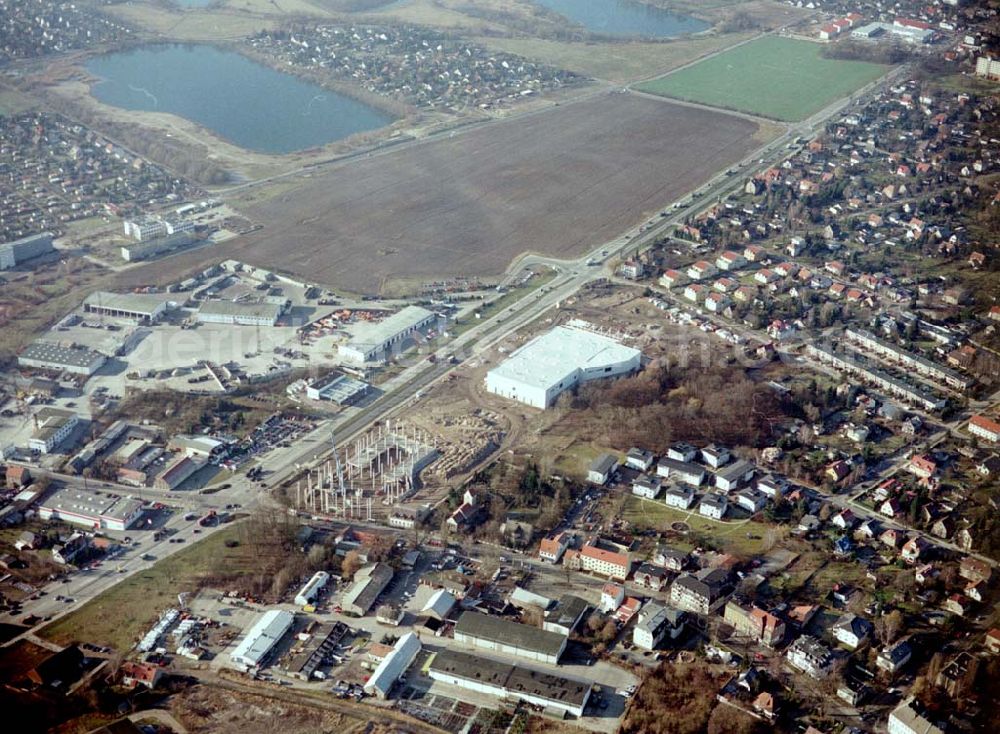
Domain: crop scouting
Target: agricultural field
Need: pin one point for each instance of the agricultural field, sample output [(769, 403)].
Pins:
[(557, 182), (778, 78)]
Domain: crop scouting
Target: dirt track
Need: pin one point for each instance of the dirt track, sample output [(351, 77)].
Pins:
[(558, 182)]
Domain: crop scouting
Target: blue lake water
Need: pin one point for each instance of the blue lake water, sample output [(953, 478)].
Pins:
[(194, 3), (625, 18), (246, 103)]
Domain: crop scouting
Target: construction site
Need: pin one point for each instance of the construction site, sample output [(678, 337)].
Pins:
[(363, 480)]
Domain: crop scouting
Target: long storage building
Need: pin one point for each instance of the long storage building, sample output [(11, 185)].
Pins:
[(378, 341), (266, 632), (511, 682), (510, 638)]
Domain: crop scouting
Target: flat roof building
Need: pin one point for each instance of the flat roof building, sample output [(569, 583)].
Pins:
[(338, 388), (548, 365), (52, 427), (510, 638), (239, 314), (260, 640), (510, 682), (54, 357), (26, 248), (92, 509), (138, 307), (379, 339)]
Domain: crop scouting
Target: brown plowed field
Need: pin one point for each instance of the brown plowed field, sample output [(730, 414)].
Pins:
[(558, 182)]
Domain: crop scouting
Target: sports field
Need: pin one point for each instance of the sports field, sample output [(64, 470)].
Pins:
[(778, 78)]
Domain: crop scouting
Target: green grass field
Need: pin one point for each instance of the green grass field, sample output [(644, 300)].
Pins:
[(121, 615), (779, 78)]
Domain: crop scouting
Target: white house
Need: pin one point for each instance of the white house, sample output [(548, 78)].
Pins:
[(601, 469), (680, 497), (612, 596), (852, 631), (715, 456), (647, 486), (639, 459), (713, 505)]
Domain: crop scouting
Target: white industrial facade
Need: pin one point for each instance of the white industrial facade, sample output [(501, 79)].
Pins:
[(139, 307), (53, 426), (239, 314), (56, 358), (377, 340), (90, 509), (548, 365), (312, 588), (262, 637), (393, 666)]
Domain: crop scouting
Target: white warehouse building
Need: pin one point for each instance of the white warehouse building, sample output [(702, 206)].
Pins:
[(262, 637), (376, 342), (548, 365), (393, 666), (313, 586)]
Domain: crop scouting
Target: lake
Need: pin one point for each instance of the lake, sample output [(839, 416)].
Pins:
[(625, 18), (194, 3), (248, 104)]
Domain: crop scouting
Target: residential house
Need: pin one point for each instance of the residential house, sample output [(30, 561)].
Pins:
[(754, 623), (602, 469), (597, 556), (701, 593), (894, 657), (670, 278), (992, 641), (772, 486), (140, 674), (701, 270), (551, 550), (731, 476), (973, 569), (985, 428), (671, 559), (681, 471), (646, 485), (639, 459), (751, 500), (656, 622), (651, 577), (958, 604), (715, 456), (845, 520), (679, 497), (612, 596), (910, 718), (684, 452), (914, 549), (852, 631), (922, 466), (810, 656), (730, 260), (713, 506)]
